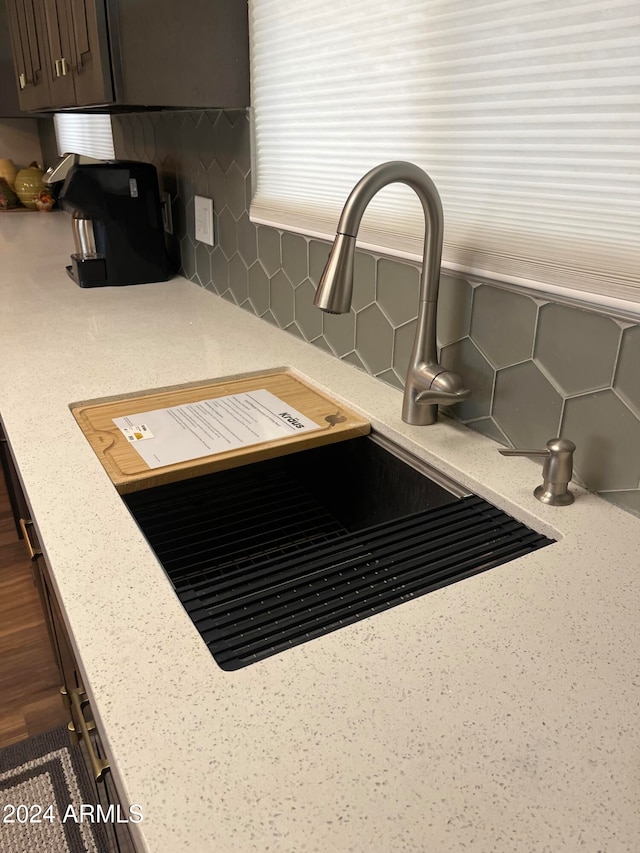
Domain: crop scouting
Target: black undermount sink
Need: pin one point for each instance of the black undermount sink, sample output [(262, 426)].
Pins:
[(276, 553)]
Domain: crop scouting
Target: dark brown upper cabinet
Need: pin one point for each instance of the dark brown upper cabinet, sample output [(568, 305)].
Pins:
[(78, 66), (26, 31), (111, 54)]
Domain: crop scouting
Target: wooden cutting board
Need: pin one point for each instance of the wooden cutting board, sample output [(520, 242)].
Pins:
[(130, 472)]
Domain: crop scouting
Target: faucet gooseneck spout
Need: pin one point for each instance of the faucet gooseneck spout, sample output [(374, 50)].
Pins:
[(428, 384)]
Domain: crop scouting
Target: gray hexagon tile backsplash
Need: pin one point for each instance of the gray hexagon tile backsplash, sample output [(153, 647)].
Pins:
[(536, 368)]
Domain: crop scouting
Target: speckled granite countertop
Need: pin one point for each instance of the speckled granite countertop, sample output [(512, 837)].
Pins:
[(498, 714)]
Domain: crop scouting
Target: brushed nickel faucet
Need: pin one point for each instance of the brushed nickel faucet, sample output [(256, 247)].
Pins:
[(556, 472), (428, 384)]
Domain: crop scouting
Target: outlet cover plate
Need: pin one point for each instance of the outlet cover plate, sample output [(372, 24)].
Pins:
[(204, 219)]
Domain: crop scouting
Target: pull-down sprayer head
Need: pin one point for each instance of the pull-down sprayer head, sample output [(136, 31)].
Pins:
[(336, 285)]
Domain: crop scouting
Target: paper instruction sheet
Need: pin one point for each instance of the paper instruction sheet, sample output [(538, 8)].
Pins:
[(192, 430)]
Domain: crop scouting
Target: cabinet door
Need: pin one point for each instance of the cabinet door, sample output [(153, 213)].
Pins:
[(9, 86), (89, 51), (85, 729), (60, 68), (27, 41), (77, 38), (19, 508), (108, 796), (69, 673), (171, 53)]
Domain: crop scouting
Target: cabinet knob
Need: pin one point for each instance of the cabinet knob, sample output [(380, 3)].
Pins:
[(25, 525), (80, 727), (22, 80), (62, 67)]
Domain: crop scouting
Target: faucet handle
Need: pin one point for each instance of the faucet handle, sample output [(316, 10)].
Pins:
[(446, 388), (556, 473), (442, 398)]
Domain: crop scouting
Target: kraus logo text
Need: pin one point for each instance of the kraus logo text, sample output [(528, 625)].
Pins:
[(293, 421)]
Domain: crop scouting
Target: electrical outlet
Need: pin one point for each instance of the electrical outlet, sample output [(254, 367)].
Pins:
[(204, 219), (167, 218)]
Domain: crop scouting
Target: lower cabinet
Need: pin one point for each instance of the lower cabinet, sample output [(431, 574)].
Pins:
[(17, 501), (82, 726)]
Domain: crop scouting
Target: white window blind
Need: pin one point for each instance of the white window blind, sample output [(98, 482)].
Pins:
[(525, 115), (88, 134)]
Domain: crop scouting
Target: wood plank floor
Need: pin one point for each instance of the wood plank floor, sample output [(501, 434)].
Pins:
[(29, 681)]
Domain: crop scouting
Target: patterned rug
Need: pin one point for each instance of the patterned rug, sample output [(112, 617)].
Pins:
[(43, 783)]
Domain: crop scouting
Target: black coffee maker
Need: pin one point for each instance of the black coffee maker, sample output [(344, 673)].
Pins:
[(117, 223)]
